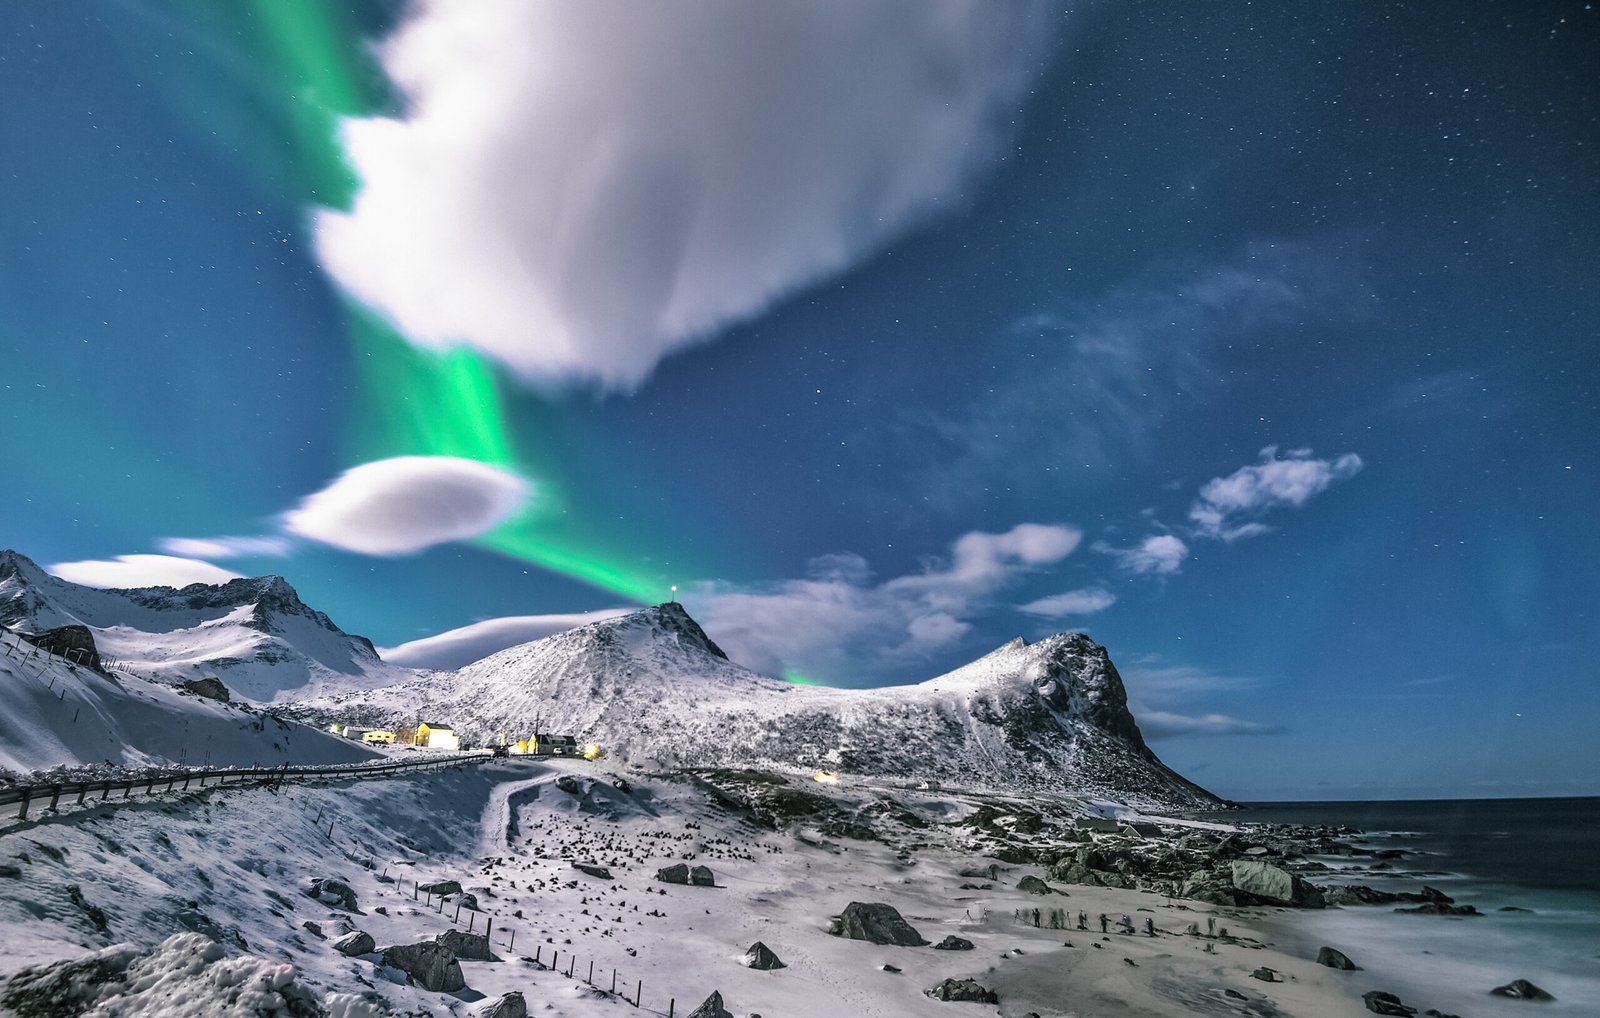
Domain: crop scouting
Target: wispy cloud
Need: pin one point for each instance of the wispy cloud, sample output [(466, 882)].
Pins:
[(401, 505), (263, 546), (1156, 555), (1074, 602), (1159, 724), (1229, 507), (127, 571), (459, 647), (580, 188), (838, 624)]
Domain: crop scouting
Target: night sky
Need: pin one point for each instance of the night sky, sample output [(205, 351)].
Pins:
[(1257, 341)]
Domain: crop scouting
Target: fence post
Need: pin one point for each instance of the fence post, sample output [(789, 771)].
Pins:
[(638, 994), (472, 919), (488, 921), (590, 977), (83, 790), (511, 945), (672, 1007), (55, 797), (27, 793), (613, 982)]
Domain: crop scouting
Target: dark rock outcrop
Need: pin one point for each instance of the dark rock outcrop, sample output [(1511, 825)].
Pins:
[(701, 876), (430, 965), (963, 989), (1336, 959), (355, 943), (511, 1005), (1273, 885), (875, 923), (333, 891), (470, 946), (677, 873), (209, 687), (760, 957), (1382, 1002), (1440, 908), (441, 887), (711, 1008), (593, 870), (569, 784), (1521, 989), (953, 943), (72, 643), (1031, 884)]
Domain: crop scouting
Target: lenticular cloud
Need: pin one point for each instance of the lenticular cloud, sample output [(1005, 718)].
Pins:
[(407, 503), (580, 188)]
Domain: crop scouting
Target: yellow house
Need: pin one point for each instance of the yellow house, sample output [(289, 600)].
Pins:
[(377, 735), (437, 736)]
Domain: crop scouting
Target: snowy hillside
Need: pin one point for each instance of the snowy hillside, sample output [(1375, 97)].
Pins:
[(55, 714), (1051, 715), (256, 635)]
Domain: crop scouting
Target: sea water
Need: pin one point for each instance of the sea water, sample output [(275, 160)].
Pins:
[(1536, 854)]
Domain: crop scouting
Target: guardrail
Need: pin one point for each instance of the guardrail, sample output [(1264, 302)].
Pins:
[(80, 793)]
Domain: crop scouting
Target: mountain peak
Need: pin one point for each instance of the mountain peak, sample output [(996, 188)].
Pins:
[(669, 619)]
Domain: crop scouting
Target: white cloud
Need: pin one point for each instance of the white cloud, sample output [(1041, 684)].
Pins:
[(836, 621), (141, 571), (1160, 724), (1226, 505), (580, 188), (459, 647), (1156, 555), (402, 505), (270, 546), (1073, 602)]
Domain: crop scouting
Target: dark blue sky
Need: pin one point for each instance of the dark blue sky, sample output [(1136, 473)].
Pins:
[(1189, 234)]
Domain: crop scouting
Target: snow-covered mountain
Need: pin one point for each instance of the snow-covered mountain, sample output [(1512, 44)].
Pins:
[(1050, 715), (256, 635)]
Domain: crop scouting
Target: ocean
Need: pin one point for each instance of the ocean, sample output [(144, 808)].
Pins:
[(1542, 855)]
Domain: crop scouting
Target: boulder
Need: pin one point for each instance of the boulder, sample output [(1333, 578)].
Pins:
[(569, 784), (74, 643), (1440, 908), (8, 870), (701, 876), (963, 989), (1273, 885), (355, 943), (760, 957), (1521, 989), (469, 900), (441, 887), (511, 1005), (677, 873), (1336, 959), (1031, 884), (332, 891), (1266, 975), (621, 785), (875, 923), (953, 943), (1380, 1002), (470, 946), (592, 870), (429, 964), (711, 1008)]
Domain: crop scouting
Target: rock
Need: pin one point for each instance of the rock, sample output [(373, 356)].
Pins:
[(569, 784), (1434, 1012), (677, 873), (963, 989), (209, 687), (430, 965), (621, 785), (592, 870), (1336, 959), (1228, 991), (953, 943), (1521, 989), (441, 887), (701, 876), (1379, 1002), (511, 1005), (315, 929), (711, 1008), (1439, 908), (761, 958), (75, 643), (893, 970), (1273, 885), (355, 943), (470, 946), (333, 891), (1266, 975), (1031, 884), (7, 870), (1357, 894), (1502, 908), (469, 900), (875, 923)]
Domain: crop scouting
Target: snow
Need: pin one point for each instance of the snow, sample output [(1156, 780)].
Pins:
[(55, 714)]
